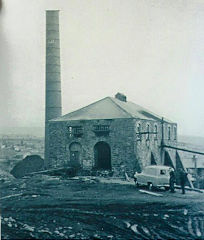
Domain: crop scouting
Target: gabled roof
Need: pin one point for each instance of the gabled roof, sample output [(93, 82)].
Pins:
[(110, 108)]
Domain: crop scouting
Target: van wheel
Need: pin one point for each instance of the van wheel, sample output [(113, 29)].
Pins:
[(166, 188), (150, 186)]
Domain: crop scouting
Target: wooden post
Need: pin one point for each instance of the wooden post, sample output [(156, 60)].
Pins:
[(195, 164), (162, 140), (195, 171)]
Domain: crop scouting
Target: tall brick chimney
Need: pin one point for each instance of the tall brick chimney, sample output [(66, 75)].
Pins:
[(53, 108)]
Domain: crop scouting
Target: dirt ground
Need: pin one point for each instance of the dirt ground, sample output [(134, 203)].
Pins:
[(45, 207)]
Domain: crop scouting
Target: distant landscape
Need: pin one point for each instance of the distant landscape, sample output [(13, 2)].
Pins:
[(32, 131), (192, 140), (198, 142)]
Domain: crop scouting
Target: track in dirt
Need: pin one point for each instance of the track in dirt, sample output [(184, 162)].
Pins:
[(114, 221), (44, 207)]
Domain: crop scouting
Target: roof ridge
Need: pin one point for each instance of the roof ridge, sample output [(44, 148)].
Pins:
[(121, 107)]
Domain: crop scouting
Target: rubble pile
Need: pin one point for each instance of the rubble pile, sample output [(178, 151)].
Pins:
[(5, 176)]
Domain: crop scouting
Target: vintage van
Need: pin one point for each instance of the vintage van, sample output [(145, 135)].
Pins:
[(154, 176)]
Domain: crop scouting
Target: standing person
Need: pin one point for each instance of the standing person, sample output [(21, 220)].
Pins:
[(183, 178), (172, 180), (135, 178)]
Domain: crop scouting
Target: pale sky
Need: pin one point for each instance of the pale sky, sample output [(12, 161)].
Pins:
[(152, 51)]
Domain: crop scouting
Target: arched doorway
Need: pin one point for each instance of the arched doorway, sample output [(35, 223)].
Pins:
[(102, 156), (75, 152)]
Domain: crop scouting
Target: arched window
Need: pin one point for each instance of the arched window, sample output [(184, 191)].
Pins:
[(155, 132), (175, 134), (147, 135), (169, 133)]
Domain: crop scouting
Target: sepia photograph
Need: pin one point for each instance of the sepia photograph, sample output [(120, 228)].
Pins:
[(102, 119)]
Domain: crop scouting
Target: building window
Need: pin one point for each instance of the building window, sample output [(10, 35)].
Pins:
[(138, 132), (75, 131), (175, 134), (169, 133), (147, 135), (155, 132), (101, 129)]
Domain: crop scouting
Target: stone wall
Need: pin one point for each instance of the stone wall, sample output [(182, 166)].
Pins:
[(128, 152), (146, 145), (120, 140)]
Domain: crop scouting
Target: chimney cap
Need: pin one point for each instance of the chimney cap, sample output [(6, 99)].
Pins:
[(52, 10), (121, 97)]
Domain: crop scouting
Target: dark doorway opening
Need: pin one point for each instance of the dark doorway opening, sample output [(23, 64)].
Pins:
[(75, 152), (167, 160), (153, 162), (102, 156)]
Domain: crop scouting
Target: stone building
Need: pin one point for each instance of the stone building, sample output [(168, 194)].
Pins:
[(111, 133)]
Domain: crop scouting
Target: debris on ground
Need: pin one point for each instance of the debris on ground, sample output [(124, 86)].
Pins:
[(5, 176), (88, 207), (126, 177), (151, 193), (29, 164), (11, 196)]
